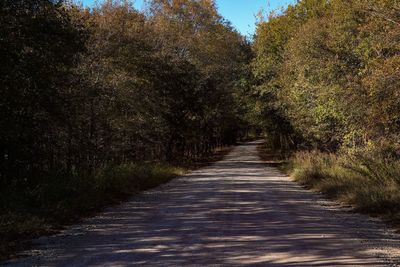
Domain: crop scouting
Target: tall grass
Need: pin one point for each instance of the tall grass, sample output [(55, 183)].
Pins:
[(60, 198), (367, 180)]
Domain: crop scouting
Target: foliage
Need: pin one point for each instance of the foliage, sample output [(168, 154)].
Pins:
[(82, 89), (330, 69), (89, 97), (85, 89)]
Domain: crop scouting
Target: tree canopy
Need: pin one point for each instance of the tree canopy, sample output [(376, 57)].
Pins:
[(83, 88), (331, 69)]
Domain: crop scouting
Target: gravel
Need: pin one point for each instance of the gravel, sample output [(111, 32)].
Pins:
[(236, 212)]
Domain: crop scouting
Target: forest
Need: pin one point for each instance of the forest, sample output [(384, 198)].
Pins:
[(327, 86), (101, 102), (98, 103)]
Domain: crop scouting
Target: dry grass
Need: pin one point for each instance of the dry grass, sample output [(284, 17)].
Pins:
[(369, 183)]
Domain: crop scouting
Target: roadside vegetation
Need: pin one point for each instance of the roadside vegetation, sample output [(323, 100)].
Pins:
[(63, 198), (327, 84), (100, 103), (370, 184)]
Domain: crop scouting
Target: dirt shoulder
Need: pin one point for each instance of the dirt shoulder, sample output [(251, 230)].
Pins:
[(18, 228), (235, 212)]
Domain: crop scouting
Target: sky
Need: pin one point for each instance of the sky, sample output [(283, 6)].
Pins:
[(241, 13)]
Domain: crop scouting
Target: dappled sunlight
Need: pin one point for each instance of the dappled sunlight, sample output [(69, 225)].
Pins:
[(237, 212)]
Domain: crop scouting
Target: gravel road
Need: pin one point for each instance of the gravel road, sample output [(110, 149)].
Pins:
[(236, 212)]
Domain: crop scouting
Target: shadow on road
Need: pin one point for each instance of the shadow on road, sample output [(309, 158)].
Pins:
[(236, 212)]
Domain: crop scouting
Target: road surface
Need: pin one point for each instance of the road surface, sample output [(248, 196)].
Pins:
[(236, 212)]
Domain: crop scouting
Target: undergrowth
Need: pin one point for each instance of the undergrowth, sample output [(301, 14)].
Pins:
[(367, 180), (60, 199), (57, 200)]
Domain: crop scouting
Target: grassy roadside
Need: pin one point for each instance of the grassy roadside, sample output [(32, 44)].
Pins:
[(60, 201), (368, 183)]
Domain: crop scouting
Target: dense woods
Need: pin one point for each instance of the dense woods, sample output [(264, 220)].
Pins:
[(85, 88), (330, 69), (327, 80), (90, 98)]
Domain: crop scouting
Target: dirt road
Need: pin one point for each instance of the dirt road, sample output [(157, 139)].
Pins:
[(237, 212)]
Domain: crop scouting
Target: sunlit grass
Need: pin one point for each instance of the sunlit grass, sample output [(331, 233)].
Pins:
[(369, 184)]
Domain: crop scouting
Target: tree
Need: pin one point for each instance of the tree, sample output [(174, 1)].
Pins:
[(38, 46)]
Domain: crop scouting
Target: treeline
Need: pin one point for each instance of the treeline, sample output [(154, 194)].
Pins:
[(327, 74), (327, 84), (84, 88)]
